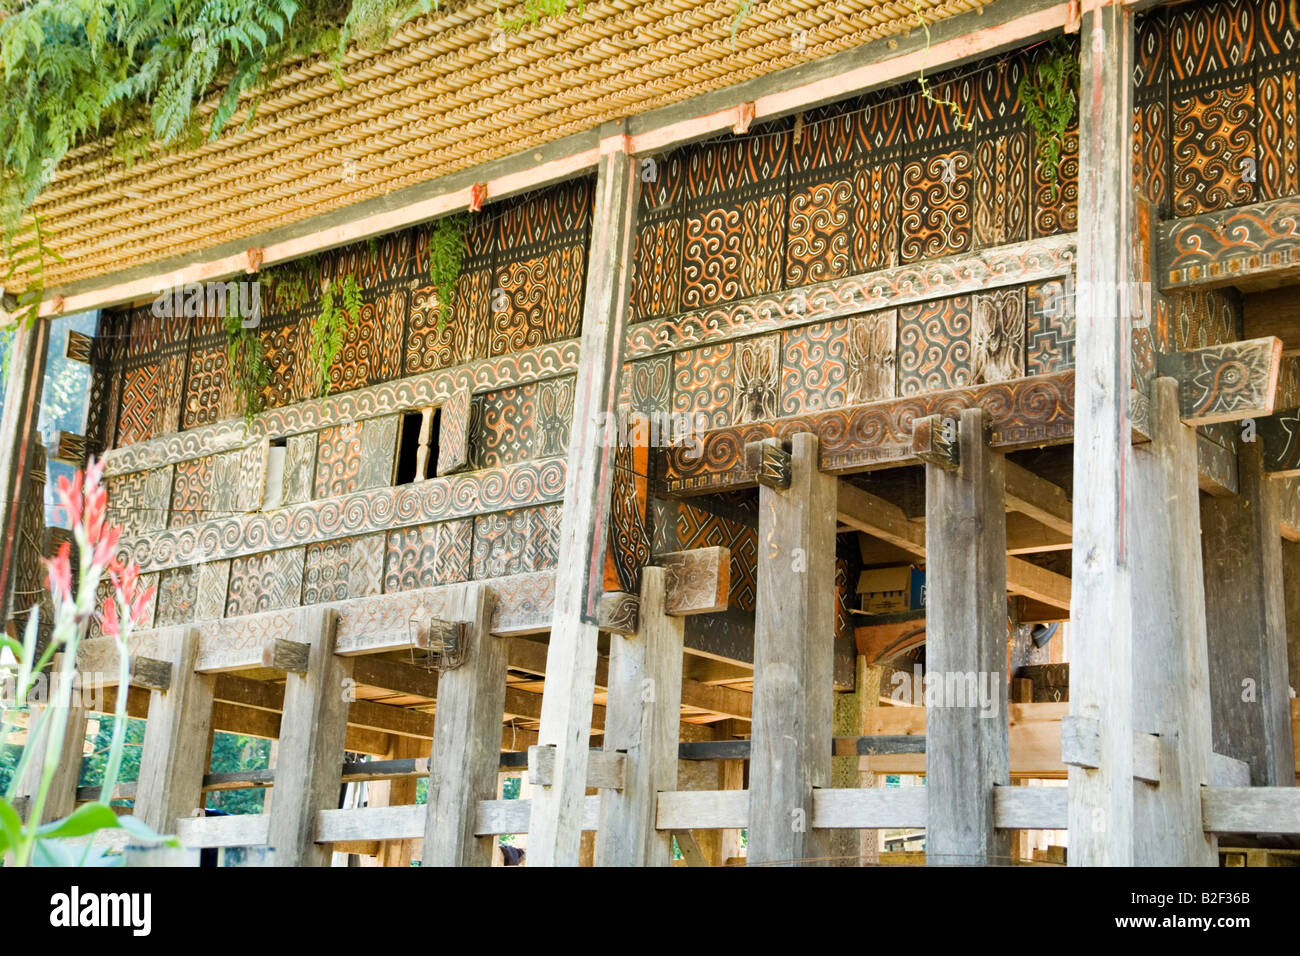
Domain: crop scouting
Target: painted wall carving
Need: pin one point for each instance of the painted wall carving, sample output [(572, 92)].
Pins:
[(1215, 111), (868, 184)]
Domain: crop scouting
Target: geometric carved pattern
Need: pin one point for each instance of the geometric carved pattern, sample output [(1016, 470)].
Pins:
[(1219, 247), (937, 206), (934, 348), (344, 568), (421, 502), (265, 582), (427, 555), (1212, 135), (842, 362), (1001, 191), (512, 542), (1224, 383), (138, 502), (338, 460), (1050, 327)]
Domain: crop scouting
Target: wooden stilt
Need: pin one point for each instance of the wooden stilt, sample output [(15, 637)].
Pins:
[(794, 632), (556, 812), (967, 738), (1245, 603), (1101, 676), (1169, 646), (642, 720), (177, 740), (22, 405), (61, 798), (466, 738), (309, 768), (868, 698)]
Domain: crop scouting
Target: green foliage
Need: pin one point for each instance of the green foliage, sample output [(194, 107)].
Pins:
[(1049, 95), (446, 250), (232, 753), (139, 71), (28, 254), (290, 287), (340, 310), (245, 360)]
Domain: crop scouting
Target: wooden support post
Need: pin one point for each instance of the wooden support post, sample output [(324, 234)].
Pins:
[(313, 728), (868, 682), (1245, 605), (1169, 645), (22, 406), (641, 720), (466, 738), (794, 633), (1101, 673), (61, 798), (174, 757), (556, 813), (967, 747)]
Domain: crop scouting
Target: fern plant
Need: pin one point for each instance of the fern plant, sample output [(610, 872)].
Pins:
[(1049, 95), (249, 371), (445, 247), (340, 310)]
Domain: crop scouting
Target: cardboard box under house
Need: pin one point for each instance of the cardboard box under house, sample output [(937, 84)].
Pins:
[(886, 590)]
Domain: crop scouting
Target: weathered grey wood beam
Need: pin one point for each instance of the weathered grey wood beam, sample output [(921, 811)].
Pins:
[(314, 729), (644, 704), (554, 832), (1245, 601), (967, 750), (1227, 382), (466, 732), (175, 753), (1171, 715), (793, 679), (1101, 674)]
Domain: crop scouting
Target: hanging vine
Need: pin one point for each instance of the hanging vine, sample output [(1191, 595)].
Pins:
[(960, 119), (1049, 95), (445, 247), (340, 310)]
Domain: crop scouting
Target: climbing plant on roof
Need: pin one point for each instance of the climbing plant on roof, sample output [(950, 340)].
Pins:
[(1049, 95)]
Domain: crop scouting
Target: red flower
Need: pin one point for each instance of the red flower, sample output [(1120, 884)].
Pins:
[(60, 573), (70, 497)]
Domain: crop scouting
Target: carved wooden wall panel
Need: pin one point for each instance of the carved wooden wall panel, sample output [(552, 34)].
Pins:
[(863, 185), (344, 568), (427, 555), (519, 423), (1215, 112), (512, 542), (265, 582)]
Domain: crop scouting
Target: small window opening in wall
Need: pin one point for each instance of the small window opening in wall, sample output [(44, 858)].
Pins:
[(417, 448), (273, 493)]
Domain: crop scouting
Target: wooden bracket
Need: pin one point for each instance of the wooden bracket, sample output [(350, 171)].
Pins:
[(744, 116), (619, 612), (769, 460), (1280, 433), (604, 768), (289, 656), (1081, 747), (698, 580), (151, 673), (935, 441), (1225, 383), (77, 347), (69, 449)]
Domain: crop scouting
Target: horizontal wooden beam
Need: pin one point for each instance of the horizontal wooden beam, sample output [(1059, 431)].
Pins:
[(1227, 382), (874, 515), (619, 612), (1024, 413), (1251, 809), (604, 768), (1273, 312), (1038, 498), (1231, 246)]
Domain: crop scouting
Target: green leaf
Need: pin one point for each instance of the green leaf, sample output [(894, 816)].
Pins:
[(142, 831), (11, 827), (55, 853), (90, 818)]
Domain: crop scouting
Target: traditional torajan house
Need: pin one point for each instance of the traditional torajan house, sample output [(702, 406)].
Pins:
[(712, 429)]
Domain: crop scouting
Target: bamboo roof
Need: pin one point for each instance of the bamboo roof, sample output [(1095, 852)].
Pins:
[(448, 92)]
